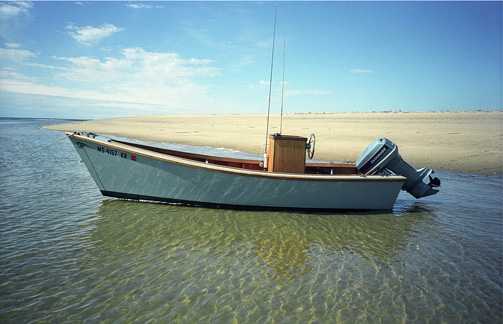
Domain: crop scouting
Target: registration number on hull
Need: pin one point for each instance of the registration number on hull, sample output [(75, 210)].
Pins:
[(112, 152)]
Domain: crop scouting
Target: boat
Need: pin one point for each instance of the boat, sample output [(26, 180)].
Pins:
[(284, 179)]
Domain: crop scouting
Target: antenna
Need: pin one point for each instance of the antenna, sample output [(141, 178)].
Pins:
[(282, 86), (270, 81)]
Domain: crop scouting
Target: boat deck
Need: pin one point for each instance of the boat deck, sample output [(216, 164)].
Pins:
[(329, 168)]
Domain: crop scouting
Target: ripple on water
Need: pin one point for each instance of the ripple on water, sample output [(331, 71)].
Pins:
[(69, 255)]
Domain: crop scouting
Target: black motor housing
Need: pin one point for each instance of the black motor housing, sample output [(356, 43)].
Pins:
[(381, 157)]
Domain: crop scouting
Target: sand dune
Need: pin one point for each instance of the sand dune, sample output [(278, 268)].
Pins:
[(470, 142)]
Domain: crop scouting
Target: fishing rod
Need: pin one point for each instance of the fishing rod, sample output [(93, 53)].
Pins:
[(282, 87), (270, 86)]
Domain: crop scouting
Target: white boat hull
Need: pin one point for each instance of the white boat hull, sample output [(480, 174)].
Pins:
[(131, 173)]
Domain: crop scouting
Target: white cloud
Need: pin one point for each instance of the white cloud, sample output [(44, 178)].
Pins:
[(136, 64), (90, 35), (34, 88), (361, 71), (142, 6), (12, 45), (14, 8), (25, 5), (133, 78), (10, 74), (12, 16), (14, 55), (32, 98)]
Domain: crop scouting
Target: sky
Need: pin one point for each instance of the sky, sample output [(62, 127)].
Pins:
[(89, 60)]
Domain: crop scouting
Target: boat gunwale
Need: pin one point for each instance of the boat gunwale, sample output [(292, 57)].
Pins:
[(233, 170)]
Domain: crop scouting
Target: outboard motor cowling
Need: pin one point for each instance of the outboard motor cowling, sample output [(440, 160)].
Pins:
[(381, 157)]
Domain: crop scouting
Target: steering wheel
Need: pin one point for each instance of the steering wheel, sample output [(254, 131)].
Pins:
[(311, 143)]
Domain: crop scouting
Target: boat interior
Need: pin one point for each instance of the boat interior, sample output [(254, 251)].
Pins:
[(275, 154)]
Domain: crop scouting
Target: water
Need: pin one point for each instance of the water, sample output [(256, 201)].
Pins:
[(70, 255)]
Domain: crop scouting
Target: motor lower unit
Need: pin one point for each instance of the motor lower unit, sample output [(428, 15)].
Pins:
[(381, 157)]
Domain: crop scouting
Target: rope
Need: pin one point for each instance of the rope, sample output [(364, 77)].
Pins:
[(27, 155)]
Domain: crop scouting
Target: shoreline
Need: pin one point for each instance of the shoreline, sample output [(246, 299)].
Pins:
[(44, 119), (460, 141)]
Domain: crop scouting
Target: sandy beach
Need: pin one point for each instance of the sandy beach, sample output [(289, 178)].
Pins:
[(470, 142)]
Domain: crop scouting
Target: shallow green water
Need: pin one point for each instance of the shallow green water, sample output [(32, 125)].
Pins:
[(70, 255)]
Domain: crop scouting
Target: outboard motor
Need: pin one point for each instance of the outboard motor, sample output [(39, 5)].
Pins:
[(381, 157)]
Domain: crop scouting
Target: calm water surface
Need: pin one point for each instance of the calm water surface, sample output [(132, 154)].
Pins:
[(70, 255)]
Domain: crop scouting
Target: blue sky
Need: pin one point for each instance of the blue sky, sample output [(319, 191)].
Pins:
[(111, 59)]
